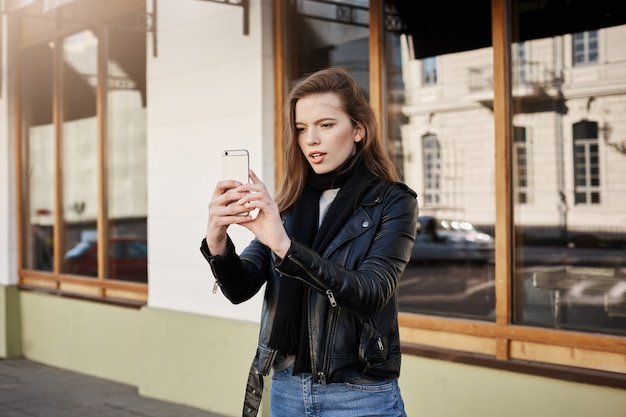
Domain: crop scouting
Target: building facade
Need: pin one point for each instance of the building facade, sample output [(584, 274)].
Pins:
[(506, 117)]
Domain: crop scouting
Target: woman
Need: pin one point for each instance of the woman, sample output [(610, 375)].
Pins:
[(331, 249)]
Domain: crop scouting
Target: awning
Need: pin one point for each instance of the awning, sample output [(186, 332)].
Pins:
[(447, 26)]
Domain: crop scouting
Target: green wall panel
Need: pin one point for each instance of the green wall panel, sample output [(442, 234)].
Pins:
[(437, 388), (203, 362), (10, 322)]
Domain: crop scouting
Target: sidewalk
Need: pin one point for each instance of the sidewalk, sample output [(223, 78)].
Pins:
[(30, 389)]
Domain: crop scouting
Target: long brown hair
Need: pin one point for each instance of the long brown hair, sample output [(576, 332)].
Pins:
[(372, 153)]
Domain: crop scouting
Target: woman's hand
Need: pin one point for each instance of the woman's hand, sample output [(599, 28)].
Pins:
[(267, 226), (225, 209), (232, 203)]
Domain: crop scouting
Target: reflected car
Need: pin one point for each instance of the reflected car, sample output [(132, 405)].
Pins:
[(450, 240), (128, 259)]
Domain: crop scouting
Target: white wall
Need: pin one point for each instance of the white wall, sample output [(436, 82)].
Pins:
[(8, 249), (210, 88)]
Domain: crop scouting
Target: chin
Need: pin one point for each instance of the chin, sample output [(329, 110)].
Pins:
[(320, 170)]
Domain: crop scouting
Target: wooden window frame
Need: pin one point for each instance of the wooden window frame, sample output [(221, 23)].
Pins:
[(569, 355)]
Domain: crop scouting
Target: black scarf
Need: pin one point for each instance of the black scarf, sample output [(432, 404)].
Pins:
[(290, 329)]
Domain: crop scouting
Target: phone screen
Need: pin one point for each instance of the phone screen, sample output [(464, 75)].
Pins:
[(235, 165)]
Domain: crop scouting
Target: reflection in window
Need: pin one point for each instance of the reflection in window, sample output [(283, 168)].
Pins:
[(585, 47), (432, 169), (447, 156), (571, 253), (520, 164), (79, 141), (74, 128), (586, 163), (519, 63), (127, 202), (329, 33), (38, 146), (429, 70)]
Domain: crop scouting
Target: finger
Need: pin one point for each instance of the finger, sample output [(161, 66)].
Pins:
[(255, 179), (227, 215), (225, 185)]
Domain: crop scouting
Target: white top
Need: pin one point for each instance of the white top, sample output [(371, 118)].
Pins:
[(326, 199)]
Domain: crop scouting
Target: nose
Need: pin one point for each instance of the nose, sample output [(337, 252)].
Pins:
[(312, 137)]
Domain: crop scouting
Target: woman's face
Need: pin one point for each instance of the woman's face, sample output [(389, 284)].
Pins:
[(325, 133)]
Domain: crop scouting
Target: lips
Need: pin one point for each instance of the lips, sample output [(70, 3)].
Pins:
[(316, 157)]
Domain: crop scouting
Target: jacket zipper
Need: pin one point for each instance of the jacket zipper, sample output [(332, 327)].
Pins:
[(331, 298)]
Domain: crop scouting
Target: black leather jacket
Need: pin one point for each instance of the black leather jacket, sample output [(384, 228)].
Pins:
[(353, 309)]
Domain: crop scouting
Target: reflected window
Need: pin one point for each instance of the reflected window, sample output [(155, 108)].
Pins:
[(520, 164), (585, 47), (429, 71), (432, 169), (586, 163)]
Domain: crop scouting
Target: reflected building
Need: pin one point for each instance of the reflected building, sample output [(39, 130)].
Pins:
[(567, 147)]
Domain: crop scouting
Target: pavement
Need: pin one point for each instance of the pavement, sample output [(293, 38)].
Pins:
[(31, 389)]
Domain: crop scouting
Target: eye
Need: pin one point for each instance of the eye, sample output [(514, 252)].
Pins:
[(299, 130), (327, 125)]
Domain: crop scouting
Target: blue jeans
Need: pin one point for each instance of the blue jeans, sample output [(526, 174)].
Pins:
[(298, 396)]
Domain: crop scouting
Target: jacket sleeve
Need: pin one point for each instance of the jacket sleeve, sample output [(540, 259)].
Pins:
[(366, 289), (239, 277)]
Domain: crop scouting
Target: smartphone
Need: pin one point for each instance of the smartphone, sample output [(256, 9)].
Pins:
[(236, 166)]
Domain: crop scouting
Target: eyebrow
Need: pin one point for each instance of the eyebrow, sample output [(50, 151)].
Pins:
[(322, 119)]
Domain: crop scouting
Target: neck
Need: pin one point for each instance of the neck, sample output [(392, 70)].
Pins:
[(337, 177)]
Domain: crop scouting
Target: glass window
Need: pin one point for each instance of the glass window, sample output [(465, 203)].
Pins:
[(520, 63), (38, 196), (571, 253), (127, 197), (431, 152), (429, 70), (520, 164), (83, 114), (79, 142), (585, 47), (586, 163), (324, 33), (444, 138)]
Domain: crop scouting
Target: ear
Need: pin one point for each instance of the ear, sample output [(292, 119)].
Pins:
[(359, 132)]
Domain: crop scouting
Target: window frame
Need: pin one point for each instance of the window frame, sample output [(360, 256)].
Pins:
[(429, 70), (501, 344), (431, 155), (587, 51), (587, 149)]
